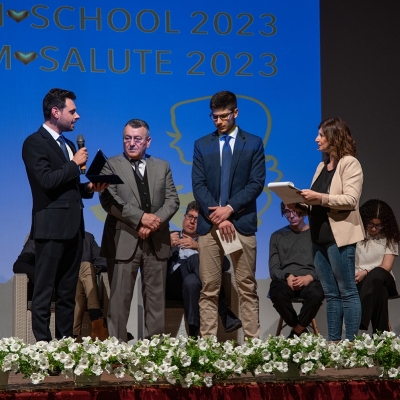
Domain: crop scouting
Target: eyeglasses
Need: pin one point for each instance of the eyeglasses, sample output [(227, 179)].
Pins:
[(288, 213), (370, 225), (222, 117), (191, 217), (136, 139)]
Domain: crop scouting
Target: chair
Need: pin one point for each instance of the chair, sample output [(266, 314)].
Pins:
[(22, 317), (175, 322), (392, 298), (281, 324)]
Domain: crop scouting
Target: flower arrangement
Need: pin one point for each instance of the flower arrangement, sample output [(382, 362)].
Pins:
[(190, 362), (275, 354), (14, 356)]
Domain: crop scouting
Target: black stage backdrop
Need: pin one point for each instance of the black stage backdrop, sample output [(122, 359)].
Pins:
[(360, 67)]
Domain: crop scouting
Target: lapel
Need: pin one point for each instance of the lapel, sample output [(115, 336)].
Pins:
[(151, 171), (213, 149), (129, 178), (52, 143), (237, 152)]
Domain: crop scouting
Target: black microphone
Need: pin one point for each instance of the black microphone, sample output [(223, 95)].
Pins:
[(80, 141)]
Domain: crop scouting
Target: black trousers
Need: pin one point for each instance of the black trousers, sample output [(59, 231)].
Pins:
[(184, 285), (57, 265), (375, 290), (281, 295)]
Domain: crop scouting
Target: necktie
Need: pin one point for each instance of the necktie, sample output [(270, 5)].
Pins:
[(225, 170), (137, 171), (63, 146)]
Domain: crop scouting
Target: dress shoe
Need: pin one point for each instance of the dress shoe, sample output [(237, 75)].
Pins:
[(99, 329), (230, 321), (293, 333)]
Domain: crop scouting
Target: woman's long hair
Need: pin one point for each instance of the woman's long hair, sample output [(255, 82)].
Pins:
[(339, 138), (378, 209)]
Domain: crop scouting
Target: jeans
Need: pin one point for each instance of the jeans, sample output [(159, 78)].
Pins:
[(336, 270)]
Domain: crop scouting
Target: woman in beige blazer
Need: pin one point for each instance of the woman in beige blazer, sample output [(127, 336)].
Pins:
[(336, 225)]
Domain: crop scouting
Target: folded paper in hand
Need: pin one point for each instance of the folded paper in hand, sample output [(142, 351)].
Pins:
[(230, 247), (286, 191), (94, 175)]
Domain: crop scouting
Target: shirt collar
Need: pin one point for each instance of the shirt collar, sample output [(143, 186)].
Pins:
[(232, 135), (130, 160), (51, 131)]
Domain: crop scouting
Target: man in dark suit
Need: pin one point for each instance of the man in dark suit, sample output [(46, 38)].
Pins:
[(136, 231), (52, 166), (228, 175), (86, 290), (183, 279)]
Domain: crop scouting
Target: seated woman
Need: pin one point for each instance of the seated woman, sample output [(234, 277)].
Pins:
[(374, 261)]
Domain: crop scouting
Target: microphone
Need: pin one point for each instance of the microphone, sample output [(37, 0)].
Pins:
[(80, 141)]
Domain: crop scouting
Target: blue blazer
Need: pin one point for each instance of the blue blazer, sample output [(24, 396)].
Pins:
[(247, 180)]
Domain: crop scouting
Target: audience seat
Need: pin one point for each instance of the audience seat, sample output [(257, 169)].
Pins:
[(22, 319)]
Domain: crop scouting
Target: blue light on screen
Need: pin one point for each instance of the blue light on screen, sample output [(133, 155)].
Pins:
[(161, 62)]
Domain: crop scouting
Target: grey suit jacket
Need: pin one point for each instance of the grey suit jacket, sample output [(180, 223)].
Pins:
[(122, 204)]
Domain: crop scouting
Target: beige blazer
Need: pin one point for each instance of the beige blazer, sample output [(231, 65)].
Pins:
[(343, 201)]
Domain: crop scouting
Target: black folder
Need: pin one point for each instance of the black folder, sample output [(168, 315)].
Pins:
[(93, 172)]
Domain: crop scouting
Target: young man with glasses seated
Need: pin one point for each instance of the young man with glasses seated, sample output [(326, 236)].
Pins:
[(183, 281), (292, 271)]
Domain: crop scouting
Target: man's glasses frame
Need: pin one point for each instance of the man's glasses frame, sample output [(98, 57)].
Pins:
[(288, 213), (191, 217), (222, 117), (136, 139)]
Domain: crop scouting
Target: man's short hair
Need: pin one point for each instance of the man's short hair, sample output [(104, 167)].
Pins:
[(192, 206), (136, 123), (224, 99), (298, 206), (55, 98)]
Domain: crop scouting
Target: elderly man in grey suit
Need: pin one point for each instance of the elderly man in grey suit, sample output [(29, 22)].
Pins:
[(136, 231)]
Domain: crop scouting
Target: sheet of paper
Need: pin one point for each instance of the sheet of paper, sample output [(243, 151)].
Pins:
[(230, 247), (286, 191)]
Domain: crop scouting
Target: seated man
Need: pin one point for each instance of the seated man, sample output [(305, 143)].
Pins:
[(183, 281), (86, 291), (292, 271)]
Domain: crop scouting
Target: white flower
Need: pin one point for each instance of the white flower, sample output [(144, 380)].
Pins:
[(208, 381), (43, 362), (314, 355), (203, 345), (268, 367), (203, 360), (237, 369), (393, 372), (15, 347), (256, 342), (297, 357), (170, 378), (220, 364), (285, 353), (69, 363), (186, 361), (37, 378), (79, 370), (149, 366), (139, 375), (97, 370), (308, 366), (266, 355)]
